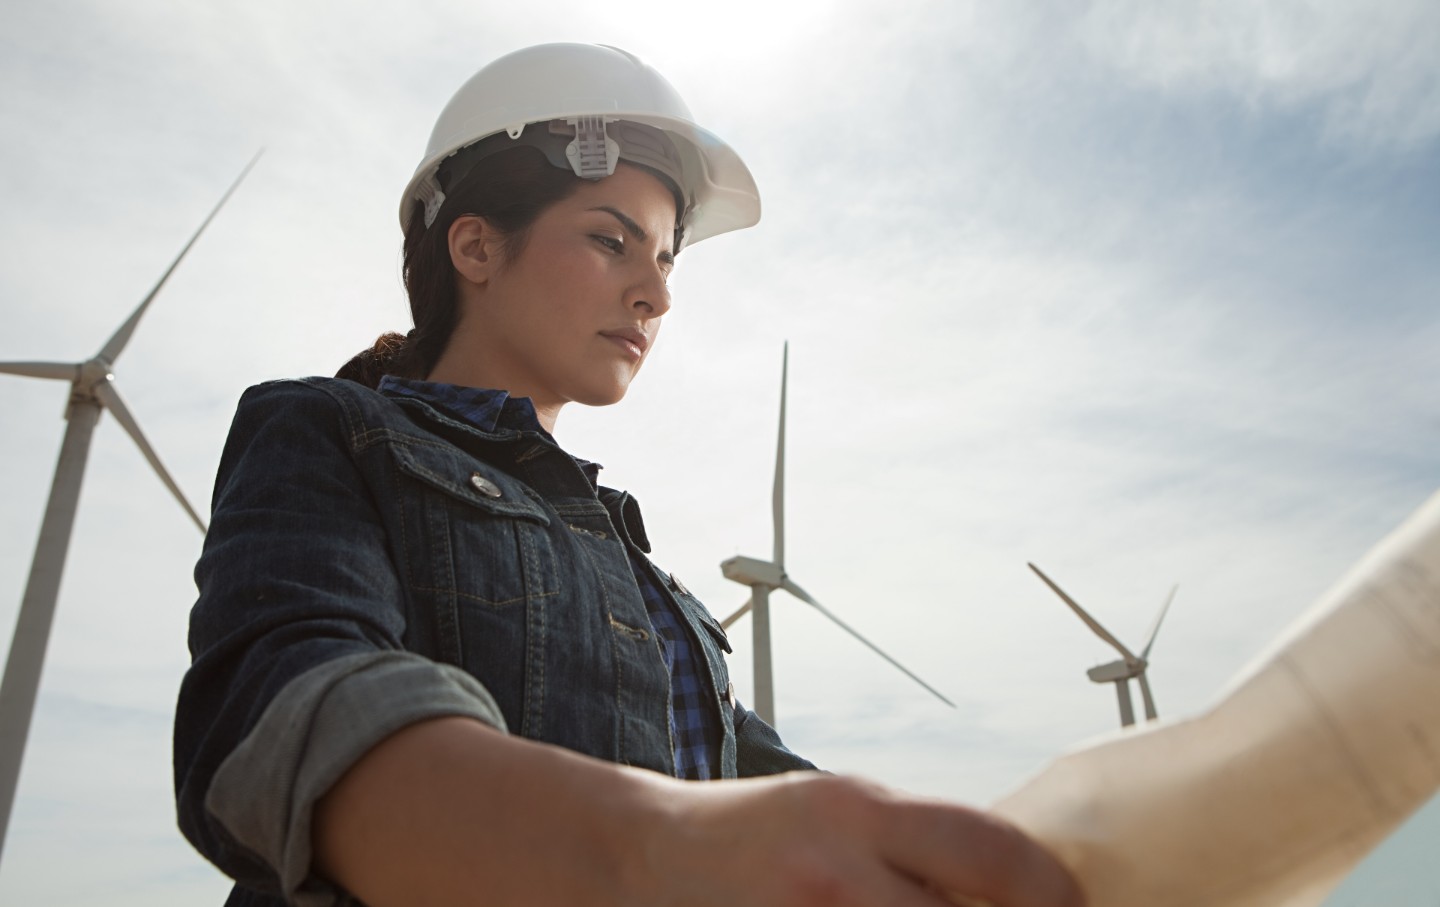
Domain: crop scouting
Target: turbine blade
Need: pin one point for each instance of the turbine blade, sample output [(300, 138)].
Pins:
[(1091, 622), (778, 499), (1150, 640), (62, 371), (1127, 711), (1149, 700), (116, 344), (789, 586), (105, 390), (744, 610)]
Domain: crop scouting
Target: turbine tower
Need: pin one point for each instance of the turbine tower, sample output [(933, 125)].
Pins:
[(92, 389), (1128, 666), (764, 577)]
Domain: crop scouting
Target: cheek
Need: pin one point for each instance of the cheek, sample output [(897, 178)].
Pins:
[(575, 288), (549, 305)]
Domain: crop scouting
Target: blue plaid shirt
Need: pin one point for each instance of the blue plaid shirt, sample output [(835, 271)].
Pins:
[(695, 731)]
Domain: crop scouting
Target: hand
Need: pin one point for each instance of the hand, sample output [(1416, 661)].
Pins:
[(450, 811), (809, 839)]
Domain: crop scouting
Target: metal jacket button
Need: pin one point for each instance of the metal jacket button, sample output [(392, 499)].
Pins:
[(677, 585), (484, 485)]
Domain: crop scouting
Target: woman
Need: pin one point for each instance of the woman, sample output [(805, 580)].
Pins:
[(432, 663)]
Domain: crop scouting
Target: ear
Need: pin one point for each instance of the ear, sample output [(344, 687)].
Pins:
[(474, 248)]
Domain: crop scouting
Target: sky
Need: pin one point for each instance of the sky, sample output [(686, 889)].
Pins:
[(1143, 292)]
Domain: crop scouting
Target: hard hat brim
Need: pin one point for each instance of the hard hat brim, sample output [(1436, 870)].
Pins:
[(724, 192)]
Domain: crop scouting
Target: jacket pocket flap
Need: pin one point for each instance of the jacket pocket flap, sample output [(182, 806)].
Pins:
[(699, 614), (470, 480)]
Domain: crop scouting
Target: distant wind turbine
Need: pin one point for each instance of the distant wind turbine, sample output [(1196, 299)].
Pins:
[(92, 389), (1129, 666), (764, 577)]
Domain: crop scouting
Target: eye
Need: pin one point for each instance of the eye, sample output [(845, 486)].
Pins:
[(612, 243)]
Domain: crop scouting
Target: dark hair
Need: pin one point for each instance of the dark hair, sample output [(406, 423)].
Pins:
[(510, 189)]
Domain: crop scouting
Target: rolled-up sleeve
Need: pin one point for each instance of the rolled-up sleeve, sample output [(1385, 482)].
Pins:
[(296, 637)]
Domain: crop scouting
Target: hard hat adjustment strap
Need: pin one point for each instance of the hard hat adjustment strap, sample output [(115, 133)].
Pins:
[(432, 195), (592, 154)]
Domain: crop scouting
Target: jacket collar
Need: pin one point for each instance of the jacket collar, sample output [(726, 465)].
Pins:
[(503, 423), (625, 514)]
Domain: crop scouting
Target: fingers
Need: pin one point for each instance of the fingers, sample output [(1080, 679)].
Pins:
[(892, 889), (934, 848), (975, 857), (830, 878)]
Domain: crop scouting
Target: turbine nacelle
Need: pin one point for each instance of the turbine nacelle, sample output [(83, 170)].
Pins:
[(90, 375), (1116, 670), (750, 571), (95, 370)]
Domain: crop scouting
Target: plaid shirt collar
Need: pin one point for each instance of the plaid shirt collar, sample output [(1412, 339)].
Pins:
[(485, 408)]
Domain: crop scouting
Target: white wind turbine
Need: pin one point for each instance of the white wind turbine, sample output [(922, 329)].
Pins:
[(92, 389), (1128, 666), (764, 577)]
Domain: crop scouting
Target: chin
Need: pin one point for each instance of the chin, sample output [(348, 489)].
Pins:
[(603, 398), (606, 394)]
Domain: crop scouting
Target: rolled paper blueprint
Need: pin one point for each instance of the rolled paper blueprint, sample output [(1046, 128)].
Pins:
[(1314, 753)]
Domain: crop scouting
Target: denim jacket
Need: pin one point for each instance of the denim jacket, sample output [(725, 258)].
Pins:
[(373, 562)]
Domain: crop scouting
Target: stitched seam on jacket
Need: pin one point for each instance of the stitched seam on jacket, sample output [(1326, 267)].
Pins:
[(451, 645), (470, 596), (535, 633), (615, 657)]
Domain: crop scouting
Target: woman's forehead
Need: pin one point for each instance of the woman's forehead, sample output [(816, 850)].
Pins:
[(636, 192)]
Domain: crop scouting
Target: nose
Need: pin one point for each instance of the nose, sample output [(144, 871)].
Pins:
[(650, 295)]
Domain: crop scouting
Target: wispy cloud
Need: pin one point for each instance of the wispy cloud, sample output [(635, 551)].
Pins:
[(1369, 71), (1142, 293)]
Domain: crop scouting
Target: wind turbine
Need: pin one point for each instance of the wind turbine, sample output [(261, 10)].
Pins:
[(1128, 666), (764, 577), (92, 389)]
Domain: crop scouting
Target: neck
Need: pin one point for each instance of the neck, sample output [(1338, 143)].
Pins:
[(547, 415)]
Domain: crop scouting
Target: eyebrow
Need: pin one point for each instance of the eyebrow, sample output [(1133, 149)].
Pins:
[(633, 228)]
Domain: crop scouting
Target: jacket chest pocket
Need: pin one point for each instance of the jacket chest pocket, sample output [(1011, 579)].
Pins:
[(713, 641), (473, 535)]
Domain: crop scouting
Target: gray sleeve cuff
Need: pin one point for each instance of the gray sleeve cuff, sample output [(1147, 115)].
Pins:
[(319, 725)]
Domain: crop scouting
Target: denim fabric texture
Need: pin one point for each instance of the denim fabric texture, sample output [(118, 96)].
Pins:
[(348, 522)]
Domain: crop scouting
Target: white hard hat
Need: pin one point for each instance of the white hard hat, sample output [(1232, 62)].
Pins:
[(591, 105)]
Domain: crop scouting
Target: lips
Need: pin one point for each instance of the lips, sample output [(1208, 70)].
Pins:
[(632, 339)]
